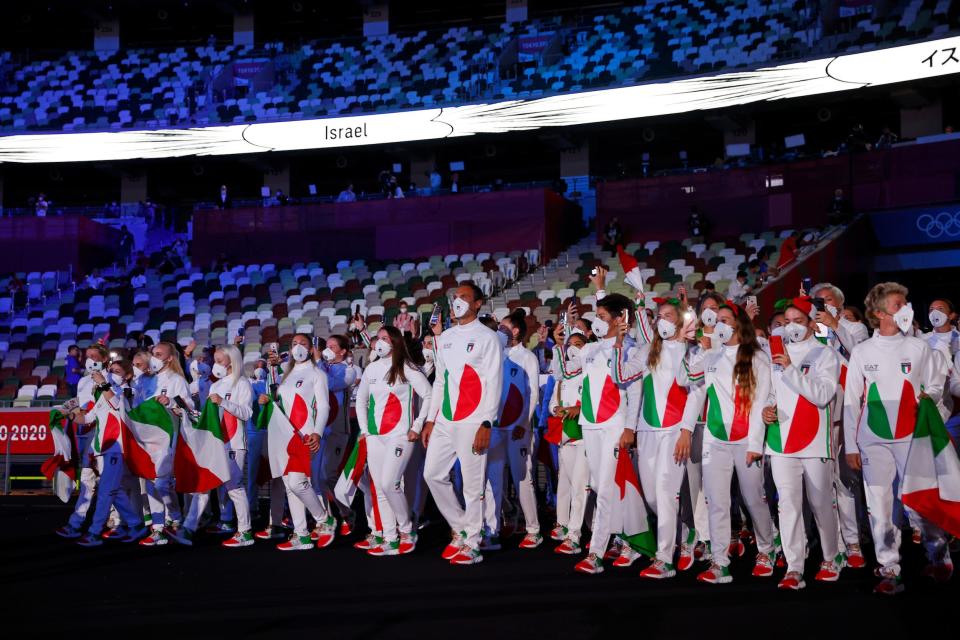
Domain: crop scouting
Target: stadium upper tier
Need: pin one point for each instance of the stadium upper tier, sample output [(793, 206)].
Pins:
[(154, 88)]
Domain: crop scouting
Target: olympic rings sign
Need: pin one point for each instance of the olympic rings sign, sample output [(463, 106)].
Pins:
[(943, 224)]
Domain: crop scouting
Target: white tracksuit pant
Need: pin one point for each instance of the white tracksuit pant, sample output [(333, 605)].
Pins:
[(693, 504), (661, 478), (301, 497), (792, 476), (518, 454), (414, 486), (162, 498), (601, 447), (232, 488), (325, 470), (720, 461), (110, 493), (387, 458), (883, 468), (573, 487), (449, 444)]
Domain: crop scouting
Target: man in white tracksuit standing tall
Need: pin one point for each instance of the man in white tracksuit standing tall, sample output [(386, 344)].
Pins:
[(463, 408)]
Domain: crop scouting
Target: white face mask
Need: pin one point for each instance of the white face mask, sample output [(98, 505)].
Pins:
[(328, 354), (403, 309), (300, 353), (708, 317), (795, 332), (260, 374), (194, 368), (904, 318), (116, 379), (666, 329), (156, 364), (137, 372), (600, 328), (383, 348), (832, 310), (938, 318), (93, 366), (219, 371), (722, 333), (428, 354), (777, 331), (460, 307), (573, 352)]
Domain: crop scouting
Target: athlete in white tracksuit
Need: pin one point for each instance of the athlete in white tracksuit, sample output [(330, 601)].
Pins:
[(733, 440), (385, 410), (800, 444), (233, 395), (664, 420), (465, 402), (161, 493), (304, 399), (608, 417), (885, 377), (334, 449), (573, 477), (512, 441)]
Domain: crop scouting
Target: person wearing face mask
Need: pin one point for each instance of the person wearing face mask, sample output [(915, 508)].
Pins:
[(608, 415), (200, 379), (799, 441), (944, 341), (406, 322), (87, 395), (112, 394), (385, 404), (664, 434), (511, 442), (736, 385), (464, 404), (303, 397), (334, 448), (890, 371), (563, 430), (233, 395), (161, 493), (843, 334)]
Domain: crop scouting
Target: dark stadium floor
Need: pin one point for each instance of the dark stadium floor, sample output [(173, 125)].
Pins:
[(55, 587)]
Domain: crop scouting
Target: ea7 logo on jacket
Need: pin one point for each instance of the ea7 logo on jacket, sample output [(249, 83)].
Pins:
[(873, 368), (905, 367)]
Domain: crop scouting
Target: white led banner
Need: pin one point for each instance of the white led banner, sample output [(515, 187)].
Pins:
[(841, 73)]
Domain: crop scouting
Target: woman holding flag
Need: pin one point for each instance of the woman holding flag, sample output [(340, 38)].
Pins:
[(886, 377), (799, 442), (295, 418), (385, 404), (736, 386)]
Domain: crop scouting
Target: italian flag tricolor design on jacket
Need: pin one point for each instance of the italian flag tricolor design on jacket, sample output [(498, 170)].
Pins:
[(469, 376), (804, 392), (461, 394), (107, 433), (931, 484), (725, 421), (602, 402), (664, 388), (513, 395), (383, 418)]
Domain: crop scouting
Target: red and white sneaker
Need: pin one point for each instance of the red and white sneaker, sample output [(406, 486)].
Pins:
[(296, 543), (347, 524), (558, 533), (368, 542), (568, 547), (829, 571), (68, 532), (764, 566), (736, 549), (115, 534), (322, 536), (916, 535), (627, 557), (531, 541), (453, 549), (267, 534), (716, 575), (746, 536), (237, 540), (592, 564), (467, 555), (890, 585), (408, 542), (793, 581), (90, 541), (685, 560), (939, 571), (659, 570), (855, 559), (702, 552), (385, 548), (613, 551), (157, 538)]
